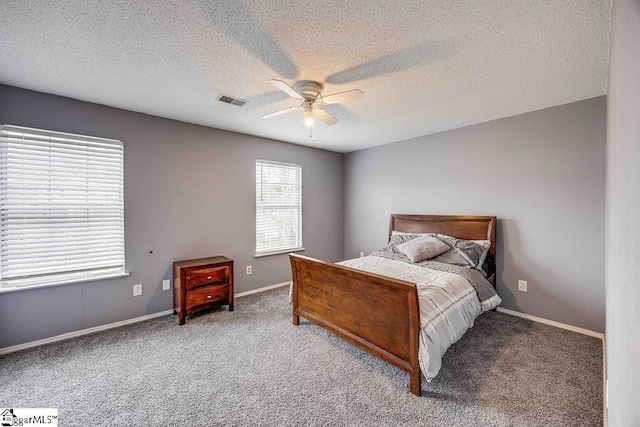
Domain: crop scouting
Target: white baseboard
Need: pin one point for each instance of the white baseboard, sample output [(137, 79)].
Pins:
[(14, 348), (81, 332), (265, 288), (87, 331), (605, 383), (552, 323)]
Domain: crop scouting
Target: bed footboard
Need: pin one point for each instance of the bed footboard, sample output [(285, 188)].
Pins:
[(376, 313)]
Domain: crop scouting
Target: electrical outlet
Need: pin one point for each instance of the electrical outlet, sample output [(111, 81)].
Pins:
[(137, 290), (361, 254), (522, 285), (249, 270), (166, 285)]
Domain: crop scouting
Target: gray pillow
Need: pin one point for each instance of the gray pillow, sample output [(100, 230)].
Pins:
[(467, 253), (476, 250), (423, 247)]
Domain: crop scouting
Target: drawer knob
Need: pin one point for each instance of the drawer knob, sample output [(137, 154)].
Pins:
[(208, 296), (208, 277)]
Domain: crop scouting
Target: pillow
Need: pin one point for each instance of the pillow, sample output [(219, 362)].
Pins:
[(467, 253), (423, 247), (402, 233), (397, 239), (485, 245)]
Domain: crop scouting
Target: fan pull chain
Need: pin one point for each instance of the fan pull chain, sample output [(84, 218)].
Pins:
[(311, 134)]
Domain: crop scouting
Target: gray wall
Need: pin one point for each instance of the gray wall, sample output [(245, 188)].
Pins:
[(541, 173), (189, 192), (623, 213)]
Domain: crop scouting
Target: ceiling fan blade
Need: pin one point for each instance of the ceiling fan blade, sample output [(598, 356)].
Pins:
[(350, 95), (279, 112), (327, 118), (285, 88)]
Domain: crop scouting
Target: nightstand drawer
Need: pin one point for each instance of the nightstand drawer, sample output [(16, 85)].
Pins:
[(206, 276), (207, 295)]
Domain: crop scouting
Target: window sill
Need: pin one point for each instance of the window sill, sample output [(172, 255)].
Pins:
[(282, 251), (68, 282)]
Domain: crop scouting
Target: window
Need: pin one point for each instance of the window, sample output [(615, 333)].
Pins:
[(278, 207), (62, 207)]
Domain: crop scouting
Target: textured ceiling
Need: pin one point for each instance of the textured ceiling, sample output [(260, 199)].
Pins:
[(424, 65)]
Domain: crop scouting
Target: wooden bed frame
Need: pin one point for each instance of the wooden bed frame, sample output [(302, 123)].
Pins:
[(377, 313)]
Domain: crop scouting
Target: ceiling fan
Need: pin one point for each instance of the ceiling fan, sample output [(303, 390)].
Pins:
[(308, 93)]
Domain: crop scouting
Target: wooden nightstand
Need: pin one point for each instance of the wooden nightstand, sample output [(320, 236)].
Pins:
[(201, 284)]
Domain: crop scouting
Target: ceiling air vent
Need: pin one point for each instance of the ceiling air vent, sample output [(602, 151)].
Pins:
[(231, 100)]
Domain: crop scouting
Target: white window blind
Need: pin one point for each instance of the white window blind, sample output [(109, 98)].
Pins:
[(278, 207), (62, 207)]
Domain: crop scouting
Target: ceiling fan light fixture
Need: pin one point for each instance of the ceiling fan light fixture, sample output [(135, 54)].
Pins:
[(308, 121), (308, 117)]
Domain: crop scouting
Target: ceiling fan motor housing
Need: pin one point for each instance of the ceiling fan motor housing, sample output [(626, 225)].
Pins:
[(309, 89)]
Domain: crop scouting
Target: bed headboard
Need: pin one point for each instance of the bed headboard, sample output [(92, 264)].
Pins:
[(462, 227)]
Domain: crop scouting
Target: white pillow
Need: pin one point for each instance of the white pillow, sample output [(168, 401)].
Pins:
[(423, 247)]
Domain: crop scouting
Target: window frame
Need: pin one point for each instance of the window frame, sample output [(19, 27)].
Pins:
[(281, 250), (53, 142)]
